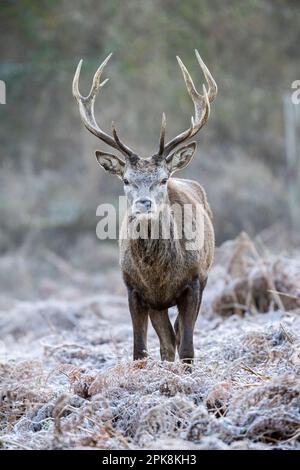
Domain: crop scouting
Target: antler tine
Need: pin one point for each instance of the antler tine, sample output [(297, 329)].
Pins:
[(126, 150), (86, 108), (213, 88), (162, 135), (201, 103)]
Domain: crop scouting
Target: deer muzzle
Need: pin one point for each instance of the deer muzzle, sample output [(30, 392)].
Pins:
[(143, 206)]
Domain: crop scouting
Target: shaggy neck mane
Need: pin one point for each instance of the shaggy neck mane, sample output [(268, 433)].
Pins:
[(156, 250)]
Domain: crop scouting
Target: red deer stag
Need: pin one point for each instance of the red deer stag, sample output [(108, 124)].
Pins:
[(160, 272)]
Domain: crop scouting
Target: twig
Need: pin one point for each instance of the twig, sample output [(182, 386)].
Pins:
[(293, 437), (286, 334), (14, 443), (284, 294), (258, 374)]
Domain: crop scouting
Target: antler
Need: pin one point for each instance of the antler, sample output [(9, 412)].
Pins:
[(86, 109), (201, 104)]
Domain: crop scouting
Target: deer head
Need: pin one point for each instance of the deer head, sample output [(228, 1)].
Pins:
[(145, 179)]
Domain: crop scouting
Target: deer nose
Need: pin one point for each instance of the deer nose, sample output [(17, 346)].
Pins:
[(144, 203)]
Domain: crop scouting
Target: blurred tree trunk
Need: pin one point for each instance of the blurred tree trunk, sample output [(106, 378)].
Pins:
[(292, 145)]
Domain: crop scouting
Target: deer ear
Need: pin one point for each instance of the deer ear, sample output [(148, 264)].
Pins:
[(181, 157), (110, 163)]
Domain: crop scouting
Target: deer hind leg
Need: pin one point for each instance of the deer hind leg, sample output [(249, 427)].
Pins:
[(164, 329), (139, 317), (188, 308), (176, 329)]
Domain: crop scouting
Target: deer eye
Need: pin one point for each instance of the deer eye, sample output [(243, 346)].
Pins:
[(125, 181), (164, 181)]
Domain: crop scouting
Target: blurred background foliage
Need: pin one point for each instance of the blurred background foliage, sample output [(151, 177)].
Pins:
[(50, 183)]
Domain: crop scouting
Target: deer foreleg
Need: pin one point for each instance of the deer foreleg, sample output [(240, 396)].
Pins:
[(188, 307), (139, 317)]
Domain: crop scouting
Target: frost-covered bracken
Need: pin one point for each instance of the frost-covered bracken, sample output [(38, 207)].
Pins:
[(67, 379)]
